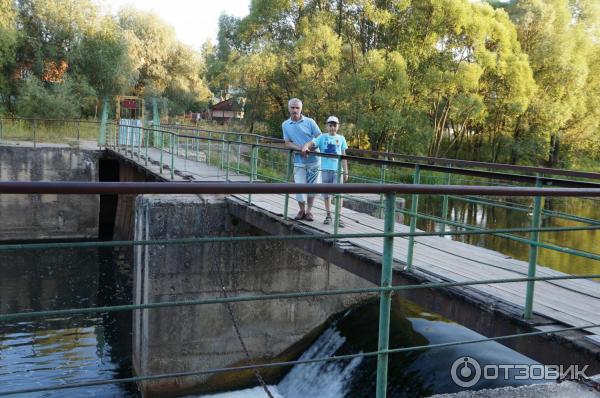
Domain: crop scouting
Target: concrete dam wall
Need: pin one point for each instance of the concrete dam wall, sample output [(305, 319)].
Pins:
[(48, 216), (193, 338)]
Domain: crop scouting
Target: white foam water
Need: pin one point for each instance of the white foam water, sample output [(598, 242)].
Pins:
[(319, 379), (256, 392)]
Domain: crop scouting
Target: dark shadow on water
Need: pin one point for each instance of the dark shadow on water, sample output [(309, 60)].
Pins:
[(410, 374)]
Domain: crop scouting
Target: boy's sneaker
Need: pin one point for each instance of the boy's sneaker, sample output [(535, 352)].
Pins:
[(327, 220), (341, 224)]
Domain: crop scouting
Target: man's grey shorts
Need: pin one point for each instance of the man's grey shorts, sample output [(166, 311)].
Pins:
[(329, 177)]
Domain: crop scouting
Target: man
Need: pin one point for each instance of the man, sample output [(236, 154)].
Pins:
[(297, 131), (334, 144)]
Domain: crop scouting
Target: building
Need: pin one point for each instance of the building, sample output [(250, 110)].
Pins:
[(225, 111)]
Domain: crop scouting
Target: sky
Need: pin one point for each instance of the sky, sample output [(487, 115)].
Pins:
[(194, 21)]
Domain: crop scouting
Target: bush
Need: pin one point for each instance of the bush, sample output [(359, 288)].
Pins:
[(57, 101)]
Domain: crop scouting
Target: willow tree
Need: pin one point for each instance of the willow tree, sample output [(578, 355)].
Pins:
[(560, 37), (164, 66), (466, 71)]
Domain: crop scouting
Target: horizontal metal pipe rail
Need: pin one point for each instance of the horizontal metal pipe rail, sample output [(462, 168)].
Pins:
[(277, 296), (425, 160), (428, 163), (186, 241), (408, 165), (73, 187), (291, 363)]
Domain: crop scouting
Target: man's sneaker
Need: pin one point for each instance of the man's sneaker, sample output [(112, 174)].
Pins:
[(327, 220)]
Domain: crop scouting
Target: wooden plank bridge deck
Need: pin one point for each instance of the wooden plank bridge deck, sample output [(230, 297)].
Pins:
[(572, 302)]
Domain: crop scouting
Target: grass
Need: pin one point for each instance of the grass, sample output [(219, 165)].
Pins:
[(66, 132)]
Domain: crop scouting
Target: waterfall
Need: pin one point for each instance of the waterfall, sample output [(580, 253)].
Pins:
[(319, 379)]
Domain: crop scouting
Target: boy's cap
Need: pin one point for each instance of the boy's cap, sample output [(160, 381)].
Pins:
[(333, 119)]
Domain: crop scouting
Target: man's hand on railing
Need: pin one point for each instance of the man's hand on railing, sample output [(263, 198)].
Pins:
[(306, 148)]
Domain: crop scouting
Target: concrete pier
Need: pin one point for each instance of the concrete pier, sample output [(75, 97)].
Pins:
[(189, 338)]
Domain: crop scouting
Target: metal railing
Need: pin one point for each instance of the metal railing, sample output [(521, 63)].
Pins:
[(248, 154), (385, 290), (247, 161)]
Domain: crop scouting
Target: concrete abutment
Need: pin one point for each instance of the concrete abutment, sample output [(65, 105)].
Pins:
[(201, 337), (48, 216)]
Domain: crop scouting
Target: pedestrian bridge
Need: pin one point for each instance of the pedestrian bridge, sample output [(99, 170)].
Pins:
[(557, 314), (221, 157)]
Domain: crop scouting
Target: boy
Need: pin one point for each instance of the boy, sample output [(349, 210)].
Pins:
[(335, 144)]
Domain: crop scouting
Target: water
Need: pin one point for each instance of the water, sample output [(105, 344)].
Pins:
[(494, 218), (411, 374), (78, 349), (68, 350)]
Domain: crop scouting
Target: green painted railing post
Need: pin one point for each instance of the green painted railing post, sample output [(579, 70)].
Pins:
[(187, 144), (145, 136), (78, 133), (253, 164), (196, 140), (130, 136), (34, 133), (1, 128), (103, 123), (386, 296), (239, 153), (227, 162), (445, 205), (114, 138), (139, 135), (162, 149), (381, 196), (222, 150), (208, 155), (414, 207), (533, 251), (172, 157), (155, 121), (338, 198), (288, 176)]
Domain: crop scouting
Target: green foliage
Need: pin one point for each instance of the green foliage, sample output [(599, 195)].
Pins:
[(53, 48), (164, 66), (560, 38), (491, 81), (102, 56), (515, 81), (8, 42), (58, 100)]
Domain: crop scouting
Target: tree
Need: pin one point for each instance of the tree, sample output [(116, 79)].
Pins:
[(50, 31), (102, 57), (35, 100), (8, 41), (164, 66), (559, 37)]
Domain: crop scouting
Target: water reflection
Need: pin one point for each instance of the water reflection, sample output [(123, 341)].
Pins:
[(494, 217), (69, 350)]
